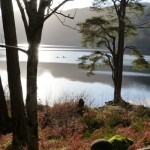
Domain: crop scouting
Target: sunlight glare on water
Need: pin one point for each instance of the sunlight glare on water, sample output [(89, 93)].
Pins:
[(48, 86), (58, 75)]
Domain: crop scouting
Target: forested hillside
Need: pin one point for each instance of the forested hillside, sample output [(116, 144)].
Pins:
[(55, 33), (142, 40)]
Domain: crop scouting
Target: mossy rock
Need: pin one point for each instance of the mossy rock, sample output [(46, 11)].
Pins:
[(101, 144), (120, 142)]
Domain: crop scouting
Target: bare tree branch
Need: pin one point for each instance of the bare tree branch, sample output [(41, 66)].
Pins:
[(134, 49), (42, 7), (26, 6), (110, 61), (109, 47), (23, 15), (16, 48), (66, 16), (115, 5), (63, 23), (56, 8), (52, 12), (143, 27)]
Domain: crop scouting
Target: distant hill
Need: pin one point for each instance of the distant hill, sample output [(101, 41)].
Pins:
[(56, 34), (142, 40)]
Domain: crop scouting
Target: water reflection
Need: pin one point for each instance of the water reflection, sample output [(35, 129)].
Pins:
[(59, 75), (55, 80)]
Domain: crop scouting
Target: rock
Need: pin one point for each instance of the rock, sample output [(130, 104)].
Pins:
[(120, 142), (101, 144)]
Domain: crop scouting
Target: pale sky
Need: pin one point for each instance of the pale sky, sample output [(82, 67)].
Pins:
[(83, 3), (80, 3), (71, 4)]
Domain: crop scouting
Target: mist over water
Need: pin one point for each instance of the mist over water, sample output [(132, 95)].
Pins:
[(58, 76)]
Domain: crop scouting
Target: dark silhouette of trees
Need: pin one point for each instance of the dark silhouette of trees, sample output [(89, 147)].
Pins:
[(110, 32), (34, 14), (5, 126), (14, 82)]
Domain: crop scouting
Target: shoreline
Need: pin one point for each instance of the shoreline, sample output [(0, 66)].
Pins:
[(72, 72), (54, 78)]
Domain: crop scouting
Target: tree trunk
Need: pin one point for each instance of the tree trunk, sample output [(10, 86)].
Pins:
[(16, 96), (31, 100), (119, 58), (4, 118), (118, 81)]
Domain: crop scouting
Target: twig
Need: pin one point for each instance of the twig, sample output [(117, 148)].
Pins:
[(55, 9), (62, 22), (16, 48), (134, 49)]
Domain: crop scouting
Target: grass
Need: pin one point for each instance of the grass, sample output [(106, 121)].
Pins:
[(62, 128)]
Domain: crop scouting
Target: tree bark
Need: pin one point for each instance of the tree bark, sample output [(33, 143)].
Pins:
[(118, 81), (33, 27), (4, 118), (119, 57), (31, 99), (14, 81)]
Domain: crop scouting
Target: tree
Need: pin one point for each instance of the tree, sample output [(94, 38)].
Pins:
[(14, 81), (37, 12), (4, 118), (110, 32)]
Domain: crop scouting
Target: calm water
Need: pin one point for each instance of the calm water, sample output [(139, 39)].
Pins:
[(59, 77)]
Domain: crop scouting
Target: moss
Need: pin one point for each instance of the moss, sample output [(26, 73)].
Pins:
[(117, 142), (101, 144), (120, 142)]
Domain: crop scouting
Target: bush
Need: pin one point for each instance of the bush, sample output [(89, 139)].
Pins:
[(91, 120), (141, 111), (120, 142), (62, 119), (114, 116)]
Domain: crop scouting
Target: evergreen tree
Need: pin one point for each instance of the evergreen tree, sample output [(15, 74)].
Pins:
[(110, 30)]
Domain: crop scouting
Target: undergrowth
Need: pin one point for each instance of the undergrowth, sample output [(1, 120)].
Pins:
[(61, 127)]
